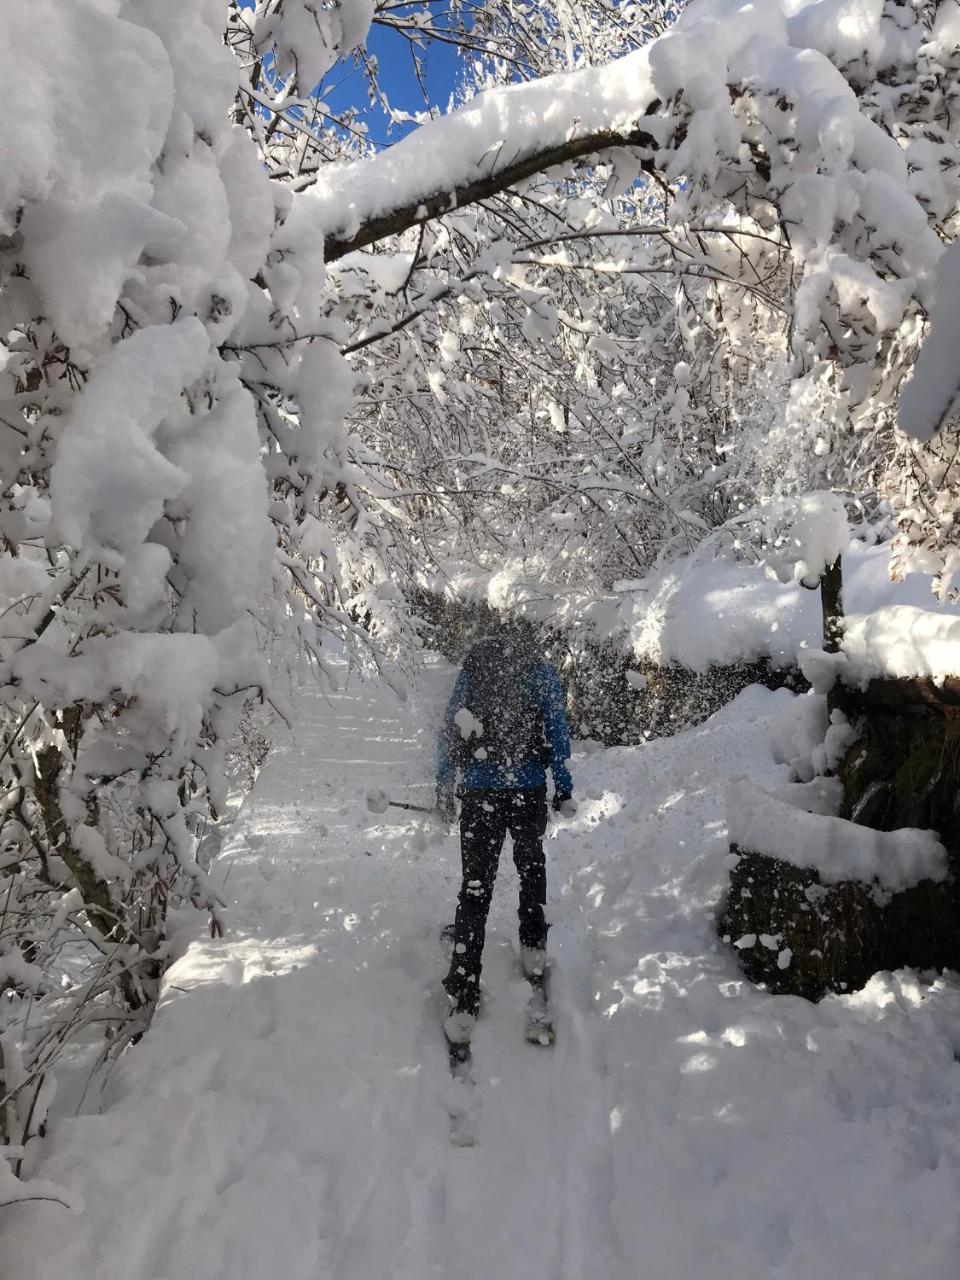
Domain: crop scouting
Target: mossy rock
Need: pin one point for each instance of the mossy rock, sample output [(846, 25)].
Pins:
[(828, 938), (903, 770), (806, 938)]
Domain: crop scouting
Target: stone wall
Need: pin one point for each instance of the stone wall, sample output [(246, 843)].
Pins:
[(612, 697)]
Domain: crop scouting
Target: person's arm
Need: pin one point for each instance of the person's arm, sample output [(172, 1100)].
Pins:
[(554, 712), (447, 746)]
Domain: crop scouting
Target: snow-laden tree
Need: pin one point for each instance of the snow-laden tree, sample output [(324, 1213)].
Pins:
[(146, 527), (778, 130), (236, 341)]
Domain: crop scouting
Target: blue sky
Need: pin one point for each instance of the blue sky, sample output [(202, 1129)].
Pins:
[(347, 84), (398, 80)]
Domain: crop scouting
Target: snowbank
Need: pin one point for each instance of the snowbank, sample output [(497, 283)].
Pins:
[(833, 847)]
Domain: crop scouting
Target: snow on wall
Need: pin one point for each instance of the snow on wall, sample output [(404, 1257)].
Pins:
[(901, 641), (701, 611), (836, 849), (708, 612)]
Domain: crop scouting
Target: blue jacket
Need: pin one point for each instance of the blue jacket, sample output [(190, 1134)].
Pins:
[(488, 776)]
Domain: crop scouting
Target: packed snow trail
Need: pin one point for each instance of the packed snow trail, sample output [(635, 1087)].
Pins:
[(287, 1112)]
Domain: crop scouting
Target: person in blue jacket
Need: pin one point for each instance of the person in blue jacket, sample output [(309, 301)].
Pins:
[(505, 725)]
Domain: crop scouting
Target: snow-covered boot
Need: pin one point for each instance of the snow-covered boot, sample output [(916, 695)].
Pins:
[(458, 1027), (534, 962)]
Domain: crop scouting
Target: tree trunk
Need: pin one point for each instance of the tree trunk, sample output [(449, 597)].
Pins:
[(831, 602)]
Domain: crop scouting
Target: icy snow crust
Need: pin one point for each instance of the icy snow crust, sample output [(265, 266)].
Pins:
[(286, 1114)]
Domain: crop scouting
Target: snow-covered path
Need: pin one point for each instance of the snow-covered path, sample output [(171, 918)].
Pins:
[(287, 1114)]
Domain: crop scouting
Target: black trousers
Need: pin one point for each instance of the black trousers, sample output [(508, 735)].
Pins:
[(485, 819)]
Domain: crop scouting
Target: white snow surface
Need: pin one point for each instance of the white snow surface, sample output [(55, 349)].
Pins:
[(286, 1113), (779, 826)]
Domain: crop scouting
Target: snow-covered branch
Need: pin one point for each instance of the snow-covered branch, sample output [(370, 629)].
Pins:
[(428, 201)]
